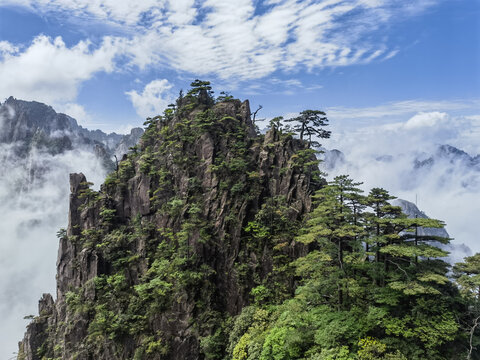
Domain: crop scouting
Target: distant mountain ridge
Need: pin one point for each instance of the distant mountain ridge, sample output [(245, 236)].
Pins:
[(450, 154), (443, 153), (30, 124)]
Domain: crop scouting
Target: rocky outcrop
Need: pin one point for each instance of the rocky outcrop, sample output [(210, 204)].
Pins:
[(183, 202), (38, 330)]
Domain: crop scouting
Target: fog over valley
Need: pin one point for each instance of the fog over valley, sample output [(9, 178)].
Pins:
[(34, 192)]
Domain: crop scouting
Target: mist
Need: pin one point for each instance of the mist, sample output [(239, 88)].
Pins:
[(398, 157), (34, 195)]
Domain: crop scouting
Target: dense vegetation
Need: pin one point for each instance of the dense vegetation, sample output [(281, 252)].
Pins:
[(245, 271), (369, 288)]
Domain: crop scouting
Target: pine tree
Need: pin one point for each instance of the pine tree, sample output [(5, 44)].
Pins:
[(202, 92), (467, 275), (334, 232), (310, 123)]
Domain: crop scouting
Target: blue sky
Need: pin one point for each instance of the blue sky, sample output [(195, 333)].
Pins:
[(112, 63)]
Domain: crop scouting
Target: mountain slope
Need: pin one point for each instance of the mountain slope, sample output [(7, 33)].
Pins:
[(156, 263)]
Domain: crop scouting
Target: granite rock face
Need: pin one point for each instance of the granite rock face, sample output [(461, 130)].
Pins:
[(200, 176)]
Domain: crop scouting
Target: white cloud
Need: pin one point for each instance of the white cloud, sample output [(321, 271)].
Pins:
[(123, 12), (51, 72), (76, 111), (154, 98), (234, 40), (426, 120), (230, 40), (122, 129), (401, 109), (473, 117), (181, 12), (422, 132), (7, 49)]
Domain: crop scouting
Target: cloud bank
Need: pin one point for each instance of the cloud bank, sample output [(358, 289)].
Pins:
[(154, 98), (49, 71)]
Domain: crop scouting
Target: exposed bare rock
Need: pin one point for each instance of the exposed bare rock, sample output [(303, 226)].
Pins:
[(195, 184)]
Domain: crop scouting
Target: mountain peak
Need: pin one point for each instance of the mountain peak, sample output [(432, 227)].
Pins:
[(184, 197), (23, 119)]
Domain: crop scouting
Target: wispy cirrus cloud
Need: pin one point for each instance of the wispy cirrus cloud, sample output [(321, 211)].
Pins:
[(231, 42), (401, 108), (235, 40), (245, 39)]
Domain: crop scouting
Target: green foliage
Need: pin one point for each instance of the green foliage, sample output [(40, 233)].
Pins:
[(260, 294), (310, 123), (276, 123), (467, 275), (107, 215), (373, 349), (370, 288), (212, 346), (88, 195), (224, 97), (305, 159), (281, 343), (201, 92)]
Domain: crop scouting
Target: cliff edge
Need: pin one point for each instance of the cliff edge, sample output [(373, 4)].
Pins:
[(157, 263)]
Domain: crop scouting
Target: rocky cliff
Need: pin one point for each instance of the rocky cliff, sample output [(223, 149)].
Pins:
[(30, 124), (187, 231)]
